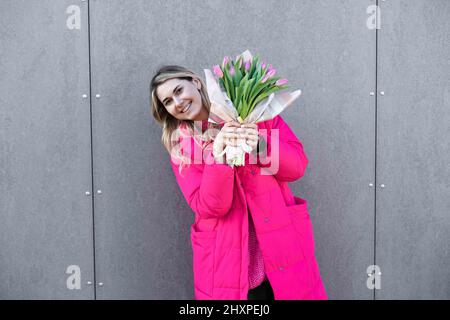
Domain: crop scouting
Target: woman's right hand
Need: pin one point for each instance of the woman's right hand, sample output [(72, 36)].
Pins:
[(227, 136)]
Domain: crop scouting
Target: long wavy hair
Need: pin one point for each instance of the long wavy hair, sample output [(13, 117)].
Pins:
[(169, 123)]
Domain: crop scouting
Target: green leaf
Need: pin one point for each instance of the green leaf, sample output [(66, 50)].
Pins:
[(237, 63), (252, 89), (259, 74), (254, 65), (263, 96), (236, 92), (229, 83), (239, 94), (259, 88), (244, 88), (258, 99), (244, 80), (221, 84), (239, 107), (225, 85), (262, 87), (247, 89), (244, 113), (237, 77)]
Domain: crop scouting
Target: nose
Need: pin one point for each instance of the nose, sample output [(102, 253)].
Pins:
[(177, 101)]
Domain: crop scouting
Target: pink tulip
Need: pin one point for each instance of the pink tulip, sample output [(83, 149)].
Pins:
[(240, 62), (270, 67), (217, 71), (226, 59), (280, 82), (247, 65), (269, 74), (231, 71), (263, 66)]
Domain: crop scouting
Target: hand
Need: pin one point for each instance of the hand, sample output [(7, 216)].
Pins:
[(226, 134), (249, 134)]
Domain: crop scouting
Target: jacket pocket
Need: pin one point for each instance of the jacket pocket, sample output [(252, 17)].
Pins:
[(203, 250), (302, 224)]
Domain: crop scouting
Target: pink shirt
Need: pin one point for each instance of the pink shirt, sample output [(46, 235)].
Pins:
[(256, 274)]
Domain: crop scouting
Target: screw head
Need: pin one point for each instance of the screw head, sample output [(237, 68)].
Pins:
[(382, 185), (84, 96), (370, 184), (99, 191), (89, 282), (87, 193), (372, 93), (382, 93), (97, 95), (100, 284)]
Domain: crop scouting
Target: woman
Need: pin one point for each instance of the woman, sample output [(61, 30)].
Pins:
[(252, 238)]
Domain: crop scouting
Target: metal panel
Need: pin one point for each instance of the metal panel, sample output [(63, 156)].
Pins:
[(334, 65), (413, 222), (45, 159), (142, 220)]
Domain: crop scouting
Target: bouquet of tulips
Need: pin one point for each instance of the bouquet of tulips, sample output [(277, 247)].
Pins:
[(243, 90)]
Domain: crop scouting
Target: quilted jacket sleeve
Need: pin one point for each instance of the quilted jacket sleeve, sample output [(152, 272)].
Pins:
[(287, 161), (208, 188)]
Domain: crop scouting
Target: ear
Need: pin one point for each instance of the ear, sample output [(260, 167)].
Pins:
[(197, 83)]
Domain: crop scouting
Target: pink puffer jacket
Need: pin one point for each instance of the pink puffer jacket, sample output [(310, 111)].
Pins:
[(220, 196)]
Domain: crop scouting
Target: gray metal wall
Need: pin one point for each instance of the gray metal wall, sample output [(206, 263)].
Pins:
[(45, 153), (413, 150), (130, 234)]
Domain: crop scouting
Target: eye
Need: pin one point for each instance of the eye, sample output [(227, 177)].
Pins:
[(170, 100)]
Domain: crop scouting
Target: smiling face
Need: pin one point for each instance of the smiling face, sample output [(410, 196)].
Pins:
[(182, 99)]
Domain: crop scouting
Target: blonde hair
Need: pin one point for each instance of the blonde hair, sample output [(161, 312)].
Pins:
[(169, 123)]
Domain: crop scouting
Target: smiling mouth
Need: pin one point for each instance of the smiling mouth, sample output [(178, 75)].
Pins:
[(187, 108)]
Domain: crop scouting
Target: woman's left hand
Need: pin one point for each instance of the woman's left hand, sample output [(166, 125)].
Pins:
[(250, 134)]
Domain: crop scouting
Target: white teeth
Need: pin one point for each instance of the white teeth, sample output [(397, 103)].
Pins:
[(186, 109)]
